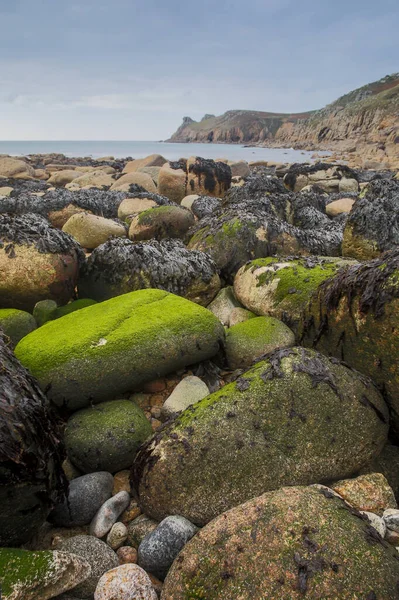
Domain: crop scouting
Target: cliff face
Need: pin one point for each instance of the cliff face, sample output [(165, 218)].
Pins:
[(365, 120)]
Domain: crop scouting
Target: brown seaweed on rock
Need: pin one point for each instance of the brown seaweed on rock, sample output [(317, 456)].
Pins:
[(31, 453)]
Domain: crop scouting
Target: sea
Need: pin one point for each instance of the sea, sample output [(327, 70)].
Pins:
[(171, 151)]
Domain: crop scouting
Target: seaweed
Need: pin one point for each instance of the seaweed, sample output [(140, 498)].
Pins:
[(316, 369), (212, 172), (274, 365)]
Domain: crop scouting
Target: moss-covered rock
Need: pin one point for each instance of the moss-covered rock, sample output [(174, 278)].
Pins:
[(26, 575), (292, 543), (47, 310), (296, 418), (373, 224), (355, 317), (106, 436), (31, 478), (248, 341), (282, 287), (122, 266), (16, 324), (36, 262), (101, 351), (161, 222)]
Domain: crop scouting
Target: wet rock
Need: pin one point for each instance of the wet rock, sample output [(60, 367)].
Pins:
[(296, 418), (289, 543), (105, 437), (16, 324), (108, 514), (36, 262), (248, 341), (86, 494), (30, 453), (371, 493), (372, 226), (121, 266), (354, 317), (189, 391), (100, 557), (159, 548), (117, 536), (92, 231), (87, 356), (161, 222), (26, 575), (126, 582)]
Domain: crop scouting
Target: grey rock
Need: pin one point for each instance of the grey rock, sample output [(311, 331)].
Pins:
[(139, 528), (100, 557), (86, 495), (189, 391), (159, 548), (391, 518), (108, 514), (375, 521), (117, 536), (223, 305)]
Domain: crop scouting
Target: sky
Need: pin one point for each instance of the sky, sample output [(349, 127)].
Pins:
[(130, 70)]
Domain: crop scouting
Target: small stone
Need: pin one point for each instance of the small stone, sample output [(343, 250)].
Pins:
[(126, 555), (142, 400), (370, 493), (376, 522), (159, 548), (108, 514), (121, 482), (117, 536), (86, 495), (156, 412), (139, 528), (155, 386), (157, 400), (189, 391), (155, 424), (126, 582), (131, 513), (391, 518), (71, 472), (392, 537)]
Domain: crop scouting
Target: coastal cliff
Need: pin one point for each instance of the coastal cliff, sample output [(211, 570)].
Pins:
[(365, 121)]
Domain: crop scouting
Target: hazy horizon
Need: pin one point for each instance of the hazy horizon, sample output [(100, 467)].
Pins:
[(95, 71)]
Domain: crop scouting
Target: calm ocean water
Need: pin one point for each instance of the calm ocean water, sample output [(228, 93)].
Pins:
[(96, 149)]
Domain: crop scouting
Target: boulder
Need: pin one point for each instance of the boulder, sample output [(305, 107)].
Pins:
[(134, 206), (372, 226), (207, 177), (153, 172), (154, 160), (96, 178), (61, 178), (371, 493), (58, 218), (117, 536), (339, 207), (39, 575), (291, 543), (172, 181), (36, 262), (126, 582), (87, 356), (15, 168), (188, 201), (248, 341), (30, 453), (296, 418), (239, 168), (223, 305), (330, 178), (282, 287), (355, 317), (96, 553), (161, 222), (141, 179), (190, 390), (86, 494), (16, 324), (122, 266), (92, 231), (106, 437), (387, 463)]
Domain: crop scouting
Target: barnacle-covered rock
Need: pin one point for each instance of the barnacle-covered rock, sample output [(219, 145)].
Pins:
[(37, 262), (331, 178), (121, 266), (30, 453), (161, 222)]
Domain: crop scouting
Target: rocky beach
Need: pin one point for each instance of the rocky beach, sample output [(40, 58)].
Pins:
[(198, 379)]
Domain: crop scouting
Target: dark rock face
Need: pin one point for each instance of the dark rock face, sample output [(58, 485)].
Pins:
[(23, 186), (304, 169), (31, 476), (259, 220), (121, 266), (208, 175), (205, 205), (373, 223)]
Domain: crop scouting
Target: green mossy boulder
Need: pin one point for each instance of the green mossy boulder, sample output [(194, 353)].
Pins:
[(26, 575), (296, 418), (161, 222), (106, 436), (290, 544), (282, 287), (355, 317), (248, 341), (99, 352), (16, 324)]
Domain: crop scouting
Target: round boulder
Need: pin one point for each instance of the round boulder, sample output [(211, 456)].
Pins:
[(16, 324), (92, 231), (161, 222)]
